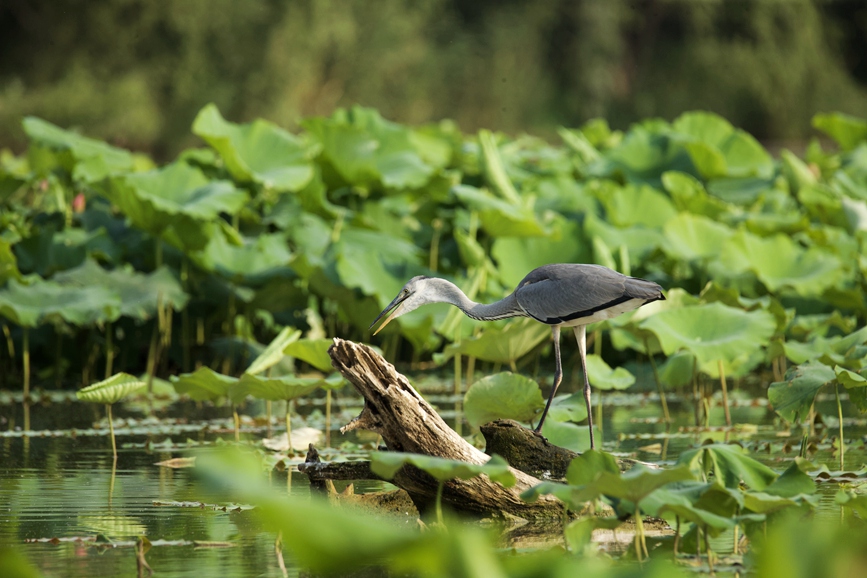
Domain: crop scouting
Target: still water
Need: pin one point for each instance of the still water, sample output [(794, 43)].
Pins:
[(64, 506)]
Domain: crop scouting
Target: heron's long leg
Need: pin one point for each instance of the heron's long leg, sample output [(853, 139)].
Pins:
[(581, 336), (558, 375)]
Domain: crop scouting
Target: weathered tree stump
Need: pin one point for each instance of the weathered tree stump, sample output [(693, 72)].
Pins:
[(407, 423)]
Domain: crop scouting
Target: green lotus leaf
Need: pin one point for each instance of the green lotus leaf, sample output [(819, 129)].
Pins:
[(836, 350), (178, 197), (495, 172), (693, 237), (85, 158), (763, 503), (729, 464), (47, 301), (140, 294), (677, 369), (372, 260), (640, 241), (567, 408), (793, 397), (717, 149), (503, 395), (498, 217), (204, 384), (587, 467), (796, 171), (387, 464), (688, 194), (275, 351), (49, 250), (578, 534), (111, 390), (850, 379), (709, 521), (312, 351), (366, 149), (516, 256), (256, 259), (712, 332), (640, 481), (632, 205), (501, 344), (259, 151), (849, 131), (286, 387), (644, 154), (795, 481), (602, 376)]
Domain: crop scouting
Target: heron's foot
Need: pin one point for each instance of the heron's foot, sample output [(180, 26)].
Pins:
[(538, 433)]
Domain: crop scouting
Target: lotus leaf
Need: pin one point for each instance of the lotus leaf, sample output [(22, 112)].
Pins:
[(312, 351), (50, 251), (693, 237), (729, 464), (712, 332), (204, 384), (763, 503), (579, 533), (717, 149), (707, 520), (501, 218), (8, 263), (515, 256), (851, 500), (794, 481), (793, 397), (494, 170), (560, 432), (847, 130), (502, 344), (111, 390), (632, 205), (259, 151), (31, 305), (177, 196), (640, 241), (587, 467), (366, 149), (85, 158), (688, 194), (286, 387), (504, 395), (387, 464), (256, 259), (644, 154), (275, 351), (602, 376), (140, 294)]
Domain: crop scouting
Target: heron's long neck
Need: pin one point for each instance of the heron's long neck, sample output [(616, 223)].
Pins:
[(507, 307)]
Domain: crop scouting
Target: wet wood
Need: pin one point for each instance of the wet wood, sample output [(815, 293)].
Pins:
[(407, 423)]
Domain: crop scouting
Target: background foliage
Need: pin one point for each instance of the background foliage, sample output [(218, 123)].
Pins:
[(135, 73)]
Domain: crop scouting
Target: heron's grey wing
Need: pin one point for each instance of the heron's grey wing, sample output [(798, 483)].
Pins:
[(558, 293)]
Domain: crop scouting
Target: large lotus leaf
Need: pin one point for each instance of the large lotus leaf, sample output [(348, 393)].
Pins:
[(111, 390), (85, 158), (644, 154), (853, 501), (794, 481), (638, 482), (204, 384), (256, 258), (518, 256), (495, 172), (856, 384), (602, 376), (502, 344), (793, 397), (639, 241), (847, 130), (796, 171), (713, 331), (688, 194), (729, 464), (275, 351), (692, 237), (387, 464), (561, 432), (312, 351), (286, 387), (366, 149), (587, 467), (742, 191), (498, 217), (711, 522), (763, 503), (503, 395), (838, 349), (578, 534), (49, 251), (177, 195), (637, 205), (371, 260), (717, 149), (259, 151), (30, 305), (140, 294), (677, 370)]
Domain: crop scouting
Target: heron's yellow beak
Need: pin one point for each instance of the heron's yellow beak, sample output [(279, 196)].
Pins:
[(395, 307), (394, 314)]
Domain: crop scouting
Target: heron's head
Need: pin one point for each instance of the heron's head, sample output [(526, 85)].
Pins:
[(417, 291)]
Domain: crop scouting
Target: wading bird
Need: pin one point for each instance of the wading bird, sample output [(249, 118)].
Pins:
[(560, 295)]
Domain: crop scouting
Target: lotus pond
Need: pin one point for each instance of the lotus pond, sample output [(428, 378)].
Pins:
[(153, 314)]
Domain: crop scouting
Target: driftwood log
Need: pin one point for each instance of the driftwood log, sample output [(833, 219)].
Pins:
[(407, 423)]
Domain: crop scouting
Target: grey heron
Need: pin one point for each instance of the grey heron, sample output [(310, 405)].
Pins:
[(559, 295)]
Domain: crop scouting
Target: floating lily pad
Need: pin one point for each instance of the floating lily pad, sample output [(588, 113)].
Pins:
[(504, 395)]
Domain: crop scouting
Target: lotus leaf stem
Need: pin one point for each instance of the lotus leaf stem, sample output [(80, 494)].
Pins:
[(840, 420), (111, 431), (439, 502), (26, 360), (289, 424), (109, 349), (725, 391), (328, 418), (662, 400)]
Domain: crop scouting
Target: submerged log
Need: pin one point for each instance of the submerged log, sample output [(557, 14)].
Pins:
[(407, 423)]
